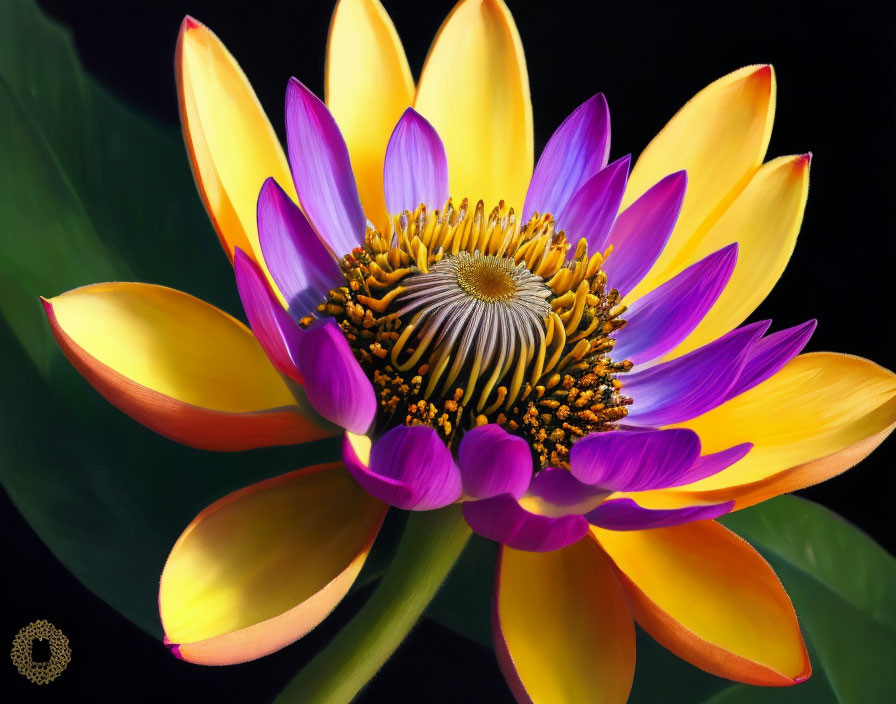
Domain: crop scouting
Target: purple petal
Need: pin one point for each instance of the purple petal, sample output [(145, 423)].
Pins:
[(708, 465), (410, 468), (564, 493), (591, 211), (502, 519), (416, 168), (694, 383), (302, 267), (276, 332), (493, 462), (575, 152), (335, 384), (641, 231), (625, 460), (625, 514), (322, 171), (770, 354), (664, 317)]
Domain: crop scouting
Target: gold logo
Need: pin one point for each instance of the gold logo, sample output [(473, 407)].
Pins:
[(23, 657)]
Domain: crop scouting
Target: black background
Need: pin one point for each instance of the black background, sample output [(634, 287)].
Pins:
[(836, 78)]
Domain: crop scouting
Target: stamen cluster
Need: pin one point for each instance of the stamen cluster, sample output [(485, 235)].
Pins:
[(461, 318)]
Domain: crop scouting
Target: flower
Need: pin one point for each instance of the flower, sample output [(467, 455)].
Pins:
[(561, 354)]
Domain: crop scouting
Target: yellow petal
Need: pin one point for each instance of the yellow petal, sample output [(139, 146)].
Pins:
[(368, 85), (178, 365), (719, 137), (562, 629), (818, 416), (764, 220), (263, 566), (474, 89), (230, 142), (702, 592), (803, 475)]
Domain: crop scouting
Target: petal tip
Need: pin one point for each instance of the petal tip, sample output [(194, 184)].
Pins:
[(242, 262), (175, 649), (622, 163), (294, 90), (730, 251), (807, 670), (764, 71), (760, 78), (189, 23), (409, 113)]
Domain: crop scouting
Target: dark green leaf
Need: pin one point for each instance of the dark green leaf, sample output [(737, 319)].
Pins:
[(819, 543), (843, 586), (115, 177), (463, 604), (661, 676), (91, 192), (106, 495), (47, 242)]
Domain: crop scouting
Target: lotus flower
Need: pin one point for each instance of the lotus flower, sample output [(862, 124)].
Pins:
[(558, 350)]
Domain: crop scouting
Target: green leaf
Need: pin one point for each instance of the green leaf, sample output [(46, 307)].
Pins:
[(108, 496), (47, 240), (820, 544), (661, 676), (89, 192), (94, 191), (843, 586), (463, 604)]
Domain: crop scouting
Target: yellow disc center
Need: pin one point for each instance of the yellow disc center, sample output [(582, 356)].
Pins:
[(487, 278)]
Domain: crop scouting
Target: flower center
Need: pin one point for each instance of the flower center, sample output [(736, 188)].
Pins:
[(479, 314), (487, 278), (462, 318)]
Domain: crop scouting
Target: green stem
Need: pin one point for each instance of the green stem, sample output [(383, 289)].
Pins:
[(431, 544)]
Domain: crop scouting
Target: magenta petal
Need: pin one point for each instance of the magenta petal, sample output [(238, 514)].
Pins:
[(492, 462), (322, 171), (302, 267), (502, 519), (625, 460), (335, 384), (591, 211), (560, 488), (625, 514), (694, 383), (641, 231), (416, 168), (277, 333), (664, 317), (577, 150), (707, 465), (410, 468), (770, 354)]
